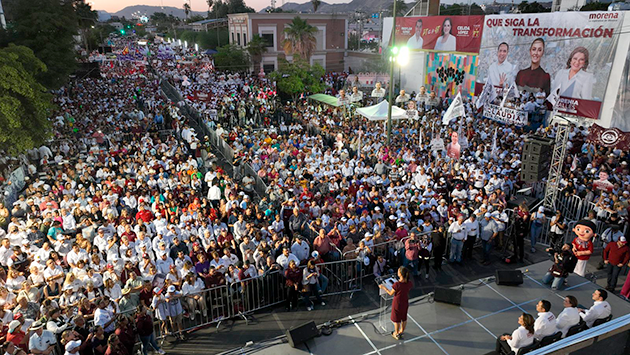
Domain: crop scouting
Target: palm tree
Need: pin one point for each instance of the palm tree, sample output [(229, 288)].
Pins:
[(256, 47), (315, 4), (401, 7), (186, 9), (299, 38)]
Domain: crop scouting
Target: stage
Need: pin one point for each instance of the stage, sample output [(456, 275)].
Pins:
[(487, 310)]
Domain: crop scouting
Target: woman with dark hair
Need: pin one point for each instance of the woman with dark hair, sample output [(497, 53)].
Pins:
[(523, 336), (400, 304), (574, 81), (446, 42), (534, 78)]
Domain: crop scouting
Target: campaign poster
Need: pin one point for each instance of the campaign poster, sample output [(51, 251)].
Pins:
[(505, 114), (570, 55), (440, 33)]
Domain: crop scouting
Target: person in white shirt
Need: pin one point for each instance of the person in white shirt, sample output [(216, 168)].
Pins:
[(501, 72), (472, 231), (300, 249), (600, 309), (416, 41), (545, 324), (286, 256), (459, 233), (523, 336), (569, 317), (574, 81)]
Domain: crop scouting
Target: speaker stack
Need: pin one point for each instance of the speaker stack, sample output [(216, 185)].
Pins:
[(509, 277), (448, 295), (536, 158), (298, 335)]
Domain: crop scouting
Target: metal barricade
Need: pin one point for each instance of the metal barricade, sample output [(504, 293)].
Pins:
[(255, 293)]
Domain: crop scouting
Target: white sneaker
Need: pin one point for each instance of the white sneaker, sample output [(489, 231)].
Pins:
[(309, 308), (323, 303), (161, 352), (426, 276)]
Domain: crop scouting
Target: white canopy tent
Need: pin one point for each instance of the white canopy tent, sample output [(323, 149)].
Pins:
[(378, 112)]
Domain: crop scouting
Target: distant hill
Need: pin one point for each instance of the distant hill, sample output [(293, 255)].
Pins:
[(367, 6), (128, 11)]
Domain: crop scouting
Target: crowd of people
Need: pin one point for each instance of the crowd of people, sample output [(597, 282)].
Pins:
[(120, 224)]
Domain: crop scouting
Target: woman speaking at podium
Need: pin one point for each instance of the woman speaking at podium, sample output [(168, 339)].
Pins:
[(400, 304)]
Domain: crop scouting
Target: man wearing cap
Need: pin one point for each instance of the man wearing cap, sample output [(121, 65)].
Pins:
[(616, 255), (41, 341), (458, 234), (488, 231)]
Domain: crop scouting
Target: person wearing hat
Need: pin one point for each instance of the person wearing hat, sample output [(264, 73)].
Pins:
[(16, 335), (41, 341), (175, 311), (616, 256), (538, 219)]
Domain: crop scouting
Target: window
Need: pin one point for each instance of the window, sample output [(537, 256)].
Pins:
[(233, 38), (238, 39), (269, 67), (319, 38), (268, 37), (244, 40)]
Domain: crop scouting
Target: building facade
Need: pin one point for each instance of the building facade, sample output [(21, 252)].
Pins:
[(331, 37)]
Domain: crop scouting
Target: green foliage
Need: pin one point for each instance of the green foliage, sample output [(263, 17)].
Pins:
[(298, 77), (231, 57), (24, 103), (163, 22), (595, 6), (461, 9), (531, 8), (300, 38), (316, 4), (222, 8), (99, 34), (401, 8), (47, 27), (195, 18)]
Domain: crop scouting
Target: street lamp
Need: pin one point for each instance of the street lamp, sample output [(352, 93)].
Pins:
[(399, 56)]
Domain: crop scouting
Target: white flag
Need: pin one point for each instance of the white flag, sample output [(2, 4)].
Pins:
[(511, 92), (456, 109), (554, 96), (485, 95), (420, 143), (494, 142)]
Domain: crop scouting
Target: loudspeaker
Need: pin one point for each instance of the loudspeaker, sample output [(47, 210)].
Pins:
[(536, 158), (301, 333), (509, 277), (448, 295)]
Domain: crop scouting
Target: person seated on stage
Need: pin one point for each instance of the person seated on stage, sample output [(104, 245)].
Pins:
[(569, 317), (600, 309), (523, 336), (546, 322)]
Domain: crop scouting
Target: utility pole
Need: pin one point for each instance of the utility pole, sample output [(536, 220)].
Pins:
[(391, 79), (3, 21)]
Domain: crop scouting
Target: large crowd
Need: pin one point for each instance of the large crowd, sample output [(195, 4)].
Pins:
[(122, 224)]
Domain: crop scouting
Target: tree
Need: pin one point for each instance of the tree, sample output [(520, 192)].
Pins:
[(24, 103), (315, 4), (231, 57), (256, 47), (48, 28), (298, 78), (451, 10), (238, 6), (300, 38), (531, 8), (162, 21), (210, 3), (401, 8), (595, 6), (186, 9)]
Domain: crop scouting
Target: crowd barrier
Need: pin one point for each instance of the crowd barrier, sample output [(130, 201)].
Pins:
[(204, 127)]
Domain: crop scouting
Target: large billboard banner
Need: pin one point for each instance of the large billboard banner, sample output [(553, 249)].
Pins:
[(571, 55), (440, 33), (448, 74)]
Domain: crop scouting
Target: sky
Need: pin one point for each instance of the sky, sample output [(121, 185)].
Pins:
[(197, 5)]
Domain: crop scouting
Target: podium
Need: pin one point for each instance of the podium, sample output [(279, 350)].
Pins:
[(385, 325)]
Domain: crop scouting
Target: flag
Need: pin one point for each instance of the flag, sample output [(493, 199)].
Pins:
[(554, 96), (486, 94), (608, 137), (511, 92), (125, 51), (494, 142), (420, 143), (574, 163), (456, 109)]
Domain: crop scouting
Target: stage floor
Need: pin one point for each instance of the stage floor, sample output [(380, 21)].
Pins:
[(437, 328)]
